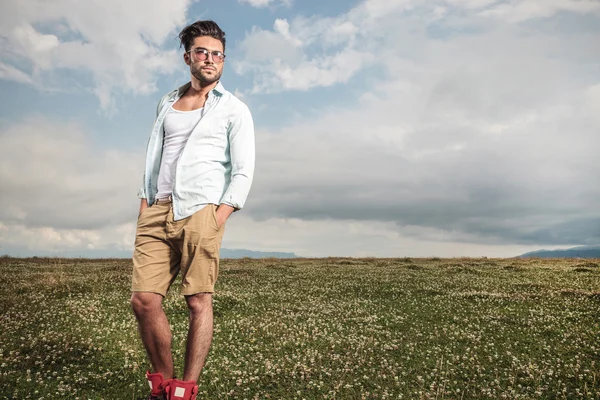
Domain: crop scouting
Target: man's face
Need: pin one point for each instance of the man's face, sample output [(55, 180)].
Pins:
[(209, 70)]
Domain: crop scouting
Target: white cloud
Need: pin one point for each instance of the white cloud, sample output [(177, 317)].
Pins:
[(477, 138), (76, 241), (470, 4), (350, 238), (282, 27), (118, 43), (77, 197), (522, 10), (300, 64), (54, 177), (11, 73), (319, 51), (308, 52), (62, 192), (266, 3), (336, 238)]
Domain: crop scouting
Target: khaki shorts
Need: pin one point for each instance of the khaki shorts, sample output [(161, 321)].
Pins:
[(164, 247)]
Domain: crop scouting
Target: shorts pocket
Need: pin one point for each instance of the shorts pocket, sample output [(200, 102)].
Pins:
[(144, 214), (214, 216), (140, 215)]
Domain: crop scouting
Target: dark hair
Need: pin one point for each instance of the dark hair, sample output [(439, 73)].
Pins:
[(200, 28)]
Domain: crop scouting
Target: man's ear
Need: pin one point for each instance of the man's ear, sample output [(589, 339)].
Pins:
[(186, 58)]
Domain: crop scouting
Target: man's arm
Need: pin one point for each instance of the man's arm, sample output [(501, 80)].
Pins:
[(143, 206), (223, 212), (242, 152)]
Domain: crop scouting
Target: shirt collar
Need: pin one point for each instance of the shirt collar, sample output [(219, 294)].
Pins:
[(218, 90)]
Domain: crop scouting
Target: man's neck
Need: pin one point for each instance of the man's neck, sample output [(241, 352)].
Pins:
[(197, 89)]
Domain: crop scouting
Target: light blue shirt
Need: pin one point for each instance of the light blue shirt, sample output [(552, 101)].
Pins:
[(216, 165)]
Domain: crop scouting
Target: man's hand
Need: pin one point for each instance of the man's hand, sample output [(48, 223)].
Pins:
[(223, 212), (143, 206)]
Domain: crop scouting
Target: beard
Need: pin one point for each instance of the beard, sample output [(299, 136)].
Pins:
[(203, 76)]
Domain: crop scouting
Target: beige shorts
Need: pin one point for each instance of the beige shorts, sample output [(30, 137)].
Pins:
[(164, 247)]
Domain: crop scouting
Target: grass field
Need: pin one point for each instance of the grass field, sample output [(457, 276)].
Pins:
[(315, 329)]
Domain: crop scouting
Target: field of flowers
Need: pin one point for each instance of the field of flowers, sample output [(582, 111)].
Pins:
[(315, 329)]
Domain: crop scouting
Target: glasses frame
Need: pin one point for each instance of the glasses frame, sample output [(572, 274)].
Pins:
[(207, 52)]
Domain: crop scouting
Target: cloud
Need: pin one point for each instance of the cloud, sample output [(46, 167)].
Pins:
[(354, 238), (522, 10), (266, 3), (303, 54), (53, 177), (61, 192), (117, 43), (470, 4), (308, 52), (487, 138), (335, 238), (110, 241), (11, 73)]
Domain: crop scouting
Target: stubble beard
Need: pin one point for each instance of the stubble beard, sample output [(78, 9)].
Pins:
[(202, 77)]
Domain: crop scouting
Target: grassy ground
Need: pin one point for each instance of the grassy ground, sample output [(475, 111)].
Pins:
[(315, 329)]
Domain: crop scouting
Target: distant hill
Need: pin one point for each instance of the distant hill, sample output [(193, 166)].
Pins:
[(241, 253), (574, 252), (116, 253)]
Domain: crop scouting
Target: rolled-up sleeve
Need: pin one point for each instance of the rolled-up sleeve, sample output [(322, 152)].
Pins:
[(141, 193), (242, 153)]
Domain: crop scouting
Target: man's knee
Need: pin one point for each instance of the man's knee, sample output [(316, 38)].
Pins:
[(143, 303), (199, 303)]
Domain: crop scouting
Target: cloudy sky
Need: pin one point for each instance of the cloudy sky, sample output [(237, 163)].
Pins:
[(384, 127)]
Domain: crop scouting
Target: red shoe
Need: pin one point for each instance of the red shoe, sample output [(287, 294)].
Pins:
[(156, 382), (181, 390)]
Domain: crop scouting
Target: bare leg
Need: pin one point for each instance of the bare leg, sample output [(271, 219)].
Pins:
[(154, 330), (199, 334)]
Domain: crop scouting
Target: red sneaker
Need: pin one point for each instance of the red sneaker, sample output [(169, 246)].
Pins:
[(181, 390), (156, 386)]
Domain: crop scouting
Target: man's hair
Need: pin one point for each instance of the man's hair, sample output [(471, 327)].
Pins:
[(200, 28)]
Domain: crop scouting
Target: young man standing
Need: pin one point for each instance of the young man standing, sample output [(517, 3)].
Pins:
[(199, 169)]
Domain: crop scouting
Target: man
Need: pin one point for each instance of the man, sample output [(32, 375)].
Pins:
[(199, 169)]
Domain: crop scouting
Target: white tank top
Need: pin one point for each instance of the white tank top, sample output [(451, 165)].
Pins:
[(178, 126)]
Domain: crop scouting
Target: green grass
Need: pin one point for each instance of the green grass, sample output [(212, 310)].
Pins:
[(315, 329)]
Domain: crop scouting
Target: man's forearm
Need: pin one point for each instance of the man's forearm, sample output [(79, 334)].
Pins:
[(143, 205), (223, 212)]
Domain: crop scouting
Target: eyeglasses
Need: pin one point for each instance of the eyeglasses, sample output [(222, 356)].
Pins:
[(201, 54)]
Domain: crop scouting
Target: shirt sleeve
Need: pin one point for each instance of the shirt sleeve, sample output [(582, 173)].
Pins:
[(242, 152), (142, 191)]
